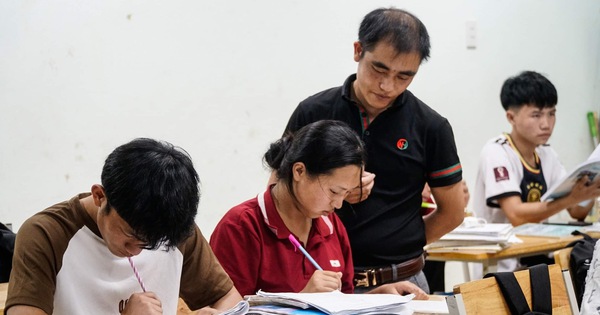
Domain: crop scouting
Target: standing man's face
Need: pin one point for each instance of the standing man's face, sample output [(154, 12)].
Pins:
[(382, 75)]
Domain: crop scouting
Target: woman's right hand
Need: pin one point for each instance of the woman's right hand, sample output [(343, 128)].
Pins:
[(323, 281)]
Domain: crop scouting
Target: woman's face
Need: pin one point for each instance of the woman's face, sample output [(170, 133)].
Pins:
[(321, 195)]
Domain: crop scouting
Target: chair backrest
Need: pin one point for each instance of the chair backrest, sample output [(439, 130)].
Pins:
[(562, 257), (484, 296)]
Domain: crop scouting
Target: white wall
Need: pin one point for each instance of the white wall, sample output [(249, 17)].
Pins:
[(220, 79)]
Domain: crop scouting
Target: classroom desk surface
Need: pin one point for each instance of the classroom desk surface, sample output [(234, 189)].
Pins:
[(532, 245), (181, 310)]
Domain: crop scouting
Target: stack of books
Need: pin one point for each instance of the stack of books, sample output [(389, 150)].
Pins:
[(486, 237)]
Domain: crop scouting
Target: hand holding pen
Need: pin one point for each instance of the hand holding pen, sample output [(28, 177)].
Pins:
[(321, 280), (141, 303), (308, 256)]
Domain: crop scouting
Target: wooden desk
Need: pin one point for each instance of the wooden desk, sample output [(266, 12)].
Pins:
[(530, 246), (182, 308)]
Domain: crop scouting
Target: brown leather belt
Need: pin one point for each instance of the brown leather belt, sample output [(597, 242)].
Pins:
[(395, 272)]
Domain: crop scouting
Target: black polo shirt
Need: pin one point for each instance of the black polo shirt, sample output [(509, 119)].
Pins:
[(408, 144)]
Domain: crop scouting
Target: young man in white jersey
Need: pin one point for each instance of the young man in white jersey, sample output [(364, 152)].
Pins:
[(129, 246), (517, 168)]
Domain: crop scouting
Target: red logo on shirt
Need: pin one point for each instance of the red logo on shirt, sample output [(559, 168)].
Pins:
[(402, 144), (500, 173)]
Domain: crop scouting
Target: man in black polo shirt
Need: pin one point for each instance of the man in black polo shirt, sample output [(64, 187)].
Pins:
[(408, 145)]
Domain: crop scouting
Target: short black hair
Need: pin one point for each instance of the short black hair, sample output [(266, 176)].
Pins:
[(528, 88), (322, 146), (154, 187), (404, 31)]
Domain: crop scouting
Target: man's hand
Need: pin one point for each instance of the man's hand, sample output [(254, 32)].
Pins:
[(146, 303), (585, 189), (357, 195)]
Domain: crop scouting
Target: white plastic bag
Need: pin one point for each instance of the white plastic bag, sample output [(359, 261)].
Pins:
[(590, 304)]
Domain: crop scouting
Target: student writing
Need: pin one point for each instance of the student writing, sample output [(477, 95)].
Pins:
[(72, 258), (317, 168)]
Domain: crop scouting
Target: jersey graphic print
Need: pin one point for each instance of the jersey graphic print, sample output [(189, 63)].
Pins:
[(500, 173), (534, 192), (533, 185)]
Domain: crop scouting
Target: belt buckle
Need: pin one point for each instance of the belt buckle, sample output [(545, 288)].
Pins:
[(366, 278)]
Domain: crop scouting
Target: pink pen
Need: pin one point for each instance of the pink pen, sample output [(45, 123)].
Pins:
[(298, 246), (137, 274)]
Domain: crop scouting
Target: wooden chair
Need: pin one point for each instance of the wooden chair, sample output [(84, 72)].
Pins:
[(484, 296), (562, 257)]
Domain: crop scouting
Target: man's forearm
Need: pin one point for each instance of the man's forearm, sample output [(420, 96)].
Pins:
[(439, 223)]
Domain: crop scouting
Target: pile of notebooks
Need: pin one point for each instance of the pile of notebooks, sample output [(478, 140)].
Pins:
[(485, 237), (329, 303)]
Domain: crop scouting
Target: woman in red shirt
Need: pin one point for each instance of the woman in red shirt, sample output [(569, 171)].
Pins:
[(316, 168)]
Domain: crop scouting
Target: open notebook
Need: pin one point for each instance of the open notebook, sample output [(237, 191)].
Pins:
[(338, 303)]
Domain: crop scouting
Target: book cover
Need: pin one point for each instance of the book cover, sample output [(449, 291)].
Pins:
[(591, 167), (277, 309)]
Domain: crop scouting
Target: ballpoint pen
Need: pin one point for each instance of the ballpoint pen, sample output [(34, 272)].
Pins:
[(298, 246)]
